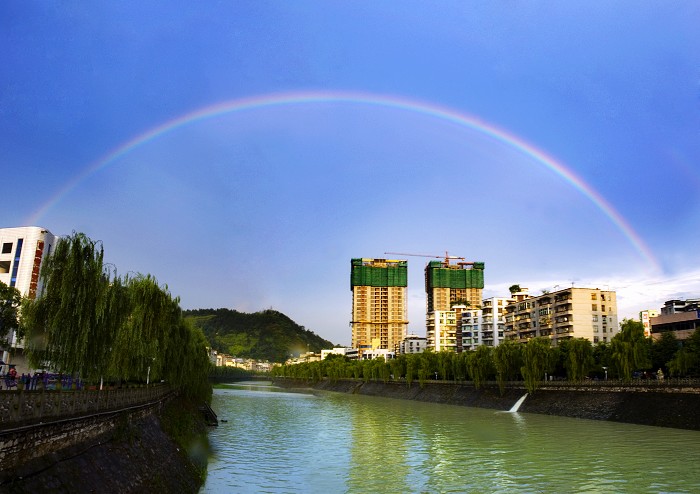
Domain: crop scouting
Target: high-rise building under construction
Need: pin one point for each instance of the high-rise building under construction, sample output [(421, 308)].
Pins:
[(448, 284), (379, 303)]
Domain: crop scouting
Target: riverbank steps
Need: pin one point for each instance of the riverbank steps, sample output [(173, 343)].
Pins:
[(162, 451), (661, 407)]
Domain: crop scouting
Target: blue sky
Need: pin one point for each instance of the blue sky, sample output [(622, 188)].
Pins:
[(264, 206)]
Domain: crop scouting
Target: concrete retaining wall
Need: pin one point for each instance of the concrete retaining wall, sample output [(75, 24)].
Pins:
[(663, 407)]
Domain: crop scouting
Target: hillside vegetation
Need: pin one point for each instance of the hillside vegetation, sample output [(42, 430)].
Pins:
[(266, 335)]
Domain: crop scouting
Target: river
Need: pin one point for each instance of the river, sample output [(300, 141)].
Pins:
[(280, 441)]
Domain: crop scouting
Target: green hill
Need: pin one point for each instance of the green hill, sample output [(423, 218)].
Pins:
[(266, 335)]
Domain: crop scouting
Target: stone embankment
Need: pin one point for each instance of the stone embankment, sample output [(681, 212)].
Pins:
[(654, 405), (119, 452)]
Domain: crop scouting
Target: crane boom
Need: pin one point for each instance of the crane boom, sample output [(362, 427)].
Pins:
[(446, 257)]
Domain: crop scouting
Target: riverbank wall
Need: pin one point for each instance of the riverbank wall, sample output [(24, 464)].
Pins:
[(655, 406), (121, 452)]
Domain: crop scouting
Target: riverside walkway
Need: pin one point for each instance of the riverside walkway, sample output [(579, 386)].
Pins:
[(26, 408)]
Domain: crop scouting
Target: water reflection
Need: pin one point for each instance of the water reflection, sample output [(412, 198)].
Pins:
[(277, 441)]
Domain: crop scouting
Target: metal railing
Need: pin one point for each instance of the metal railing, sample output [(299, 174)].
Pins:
[(18, 407)]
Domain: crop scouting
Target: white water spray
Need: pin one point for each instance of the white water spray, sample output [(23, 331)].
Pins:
[(518, 403)]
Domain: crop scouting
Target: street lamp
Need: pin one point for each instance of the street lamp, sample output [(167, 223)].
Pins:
[(606, 373), (148, 373)]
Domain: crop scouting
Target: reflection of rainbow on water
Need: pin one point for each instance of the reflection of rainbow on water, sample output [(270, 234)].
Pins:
[(304, 98)]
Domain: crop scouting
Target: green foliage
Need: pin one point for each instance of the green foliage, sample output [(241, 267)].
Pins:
[(224, 371), (662, 351), (579, 359), (602, 355), (10, 302), (480, 365), (266, 335), (92, 323), (507, 360), (630, 350), (681, 363), (686, 361), (537, 359), (66, 326), (444, 364)]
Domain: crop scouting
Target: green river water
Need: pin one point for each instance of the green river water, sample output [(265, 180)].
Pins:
[(277, 441)]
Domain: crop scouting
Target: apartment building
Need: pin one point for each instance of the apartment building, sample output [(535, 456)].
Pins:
[(493, 320), (645, 316), (588, 313), (471, 322), (442, 331), (379, 303), (682, 317), (22, 252), (412, 343)]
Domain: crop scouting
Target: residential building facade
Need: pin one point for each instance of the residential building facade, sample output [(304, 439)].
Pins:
[(588, 313), (471, 323), (645, 316), (412, 343), (493, 320), (22, 253), (682, 317), (379, 303), (443, 333), (350, 353)]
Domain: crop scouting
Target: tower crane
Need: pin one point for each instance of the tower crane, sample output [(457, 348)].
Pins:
[(446, 258)]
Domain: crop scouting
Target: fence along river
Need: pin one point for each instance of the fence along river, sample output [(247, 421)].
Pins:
[(276, 440)]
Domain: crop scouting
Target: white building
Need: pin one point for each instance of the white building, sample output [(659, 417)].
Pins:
[(412, 343), (442, 330), (22, 252), (350, 353), (493, 320), (471, 324), (378, 352)]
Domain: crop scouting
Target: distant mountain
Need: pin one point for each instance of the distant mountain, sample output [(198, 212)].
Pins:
[(266, 335)]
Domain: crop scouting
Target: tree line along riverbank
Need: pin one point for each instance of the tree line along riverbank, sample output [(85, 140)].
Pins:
[(628, 354), (665, 406)]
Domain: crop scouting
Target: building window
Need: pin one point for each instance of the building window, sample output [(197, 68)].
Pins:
[(595, 328), (595, 317), (595, 339), (594, 296), (7, 248), (15, 266), (594, 306), (602, 307)]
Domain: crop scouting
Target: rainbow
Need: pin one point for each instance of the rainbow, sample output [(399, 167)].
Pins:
[(359, 98)]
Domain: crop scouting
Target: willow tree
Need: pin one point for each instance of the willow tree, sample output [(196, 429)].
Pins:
[(537, 360), (141, 343), (480, 365), (507, 359), (629, 349), (579, 359), (445, 361), (72, 324), (10, 301)]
